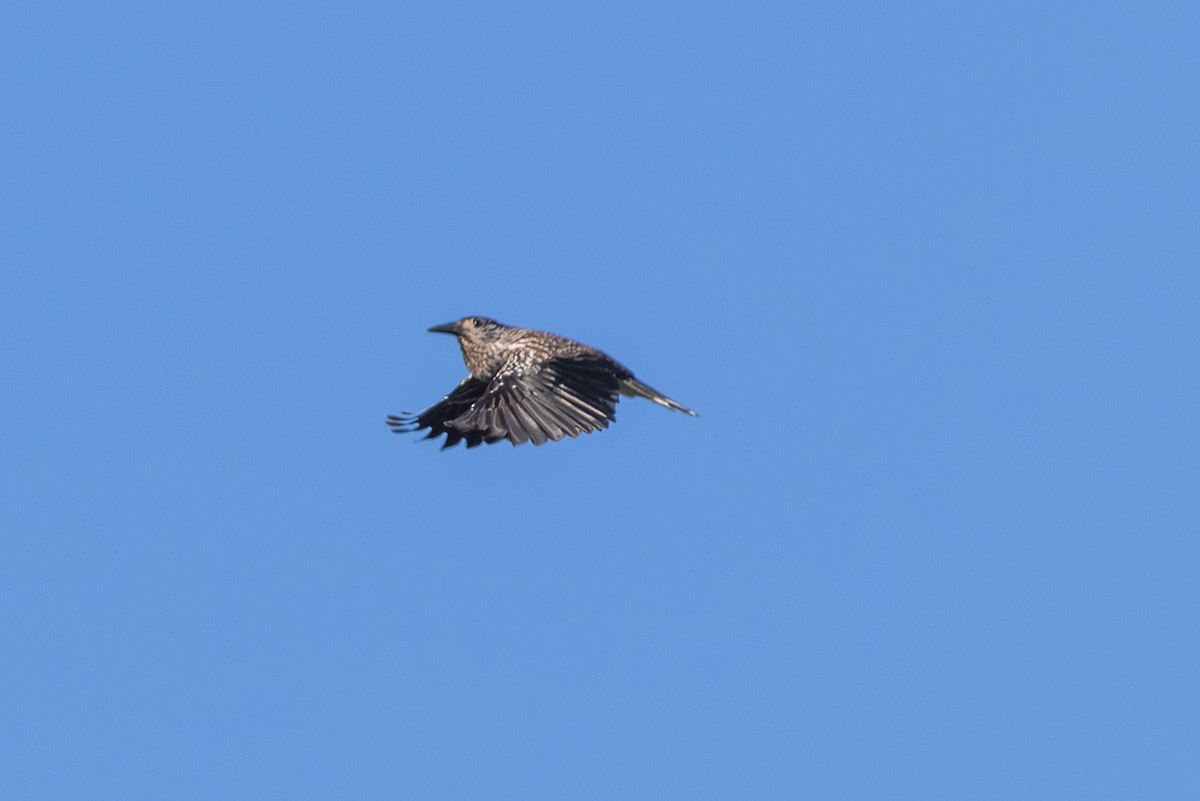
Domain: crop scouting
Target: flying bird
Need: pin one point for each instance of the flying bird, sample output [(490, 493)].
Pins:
[(526, 385)]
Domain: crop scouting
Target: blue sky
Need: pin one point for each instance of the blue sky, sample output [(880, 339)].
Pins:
[(927, 271)]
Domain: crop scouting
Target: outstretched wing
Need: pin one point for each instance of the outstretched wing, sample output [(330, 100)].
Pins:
[(436, 416), (561, 397)]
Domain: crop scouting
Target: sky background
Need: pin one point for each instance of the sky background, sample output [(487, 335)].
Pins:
[(928, 271)]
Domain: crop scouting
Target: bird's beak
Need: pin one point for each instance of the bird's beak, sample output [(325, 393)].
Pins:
[(448, 328)]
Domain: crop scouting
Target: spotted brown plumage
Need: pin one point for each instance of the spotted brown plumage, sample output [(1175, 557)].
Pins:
[(526, 386)]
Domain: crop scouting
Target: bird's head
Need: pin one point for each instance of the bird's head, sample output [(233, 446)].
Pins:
[(472, 330)]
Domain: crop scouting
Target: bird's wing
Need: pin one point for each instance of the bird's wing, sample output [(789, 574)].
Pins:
[(560, 397), (435, 418)]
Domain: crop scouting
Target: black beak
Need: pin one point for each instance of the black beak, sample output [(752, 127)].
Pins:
[(448, 328)]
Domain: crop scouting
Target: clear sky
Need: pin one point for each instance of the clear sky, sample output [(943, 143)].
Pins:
[(928, 271)]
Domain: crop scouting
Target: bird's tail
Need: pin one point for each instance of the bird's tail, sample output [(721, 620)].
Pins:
[(636, 389)]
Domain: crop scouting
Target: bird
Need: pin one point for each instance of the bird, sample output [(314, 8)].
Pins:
[(526, 386)]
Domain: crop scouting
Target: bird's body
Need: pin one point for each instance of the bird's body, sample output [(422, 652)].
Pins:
[(526, 385)]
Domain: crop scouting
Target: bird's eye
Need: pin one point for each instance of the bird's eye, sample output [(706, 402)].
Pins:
[(476, 321)]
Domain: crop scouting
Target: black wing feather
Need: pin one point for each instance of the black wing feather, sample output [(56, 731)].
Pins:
[(435, 418), (560, 397)]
